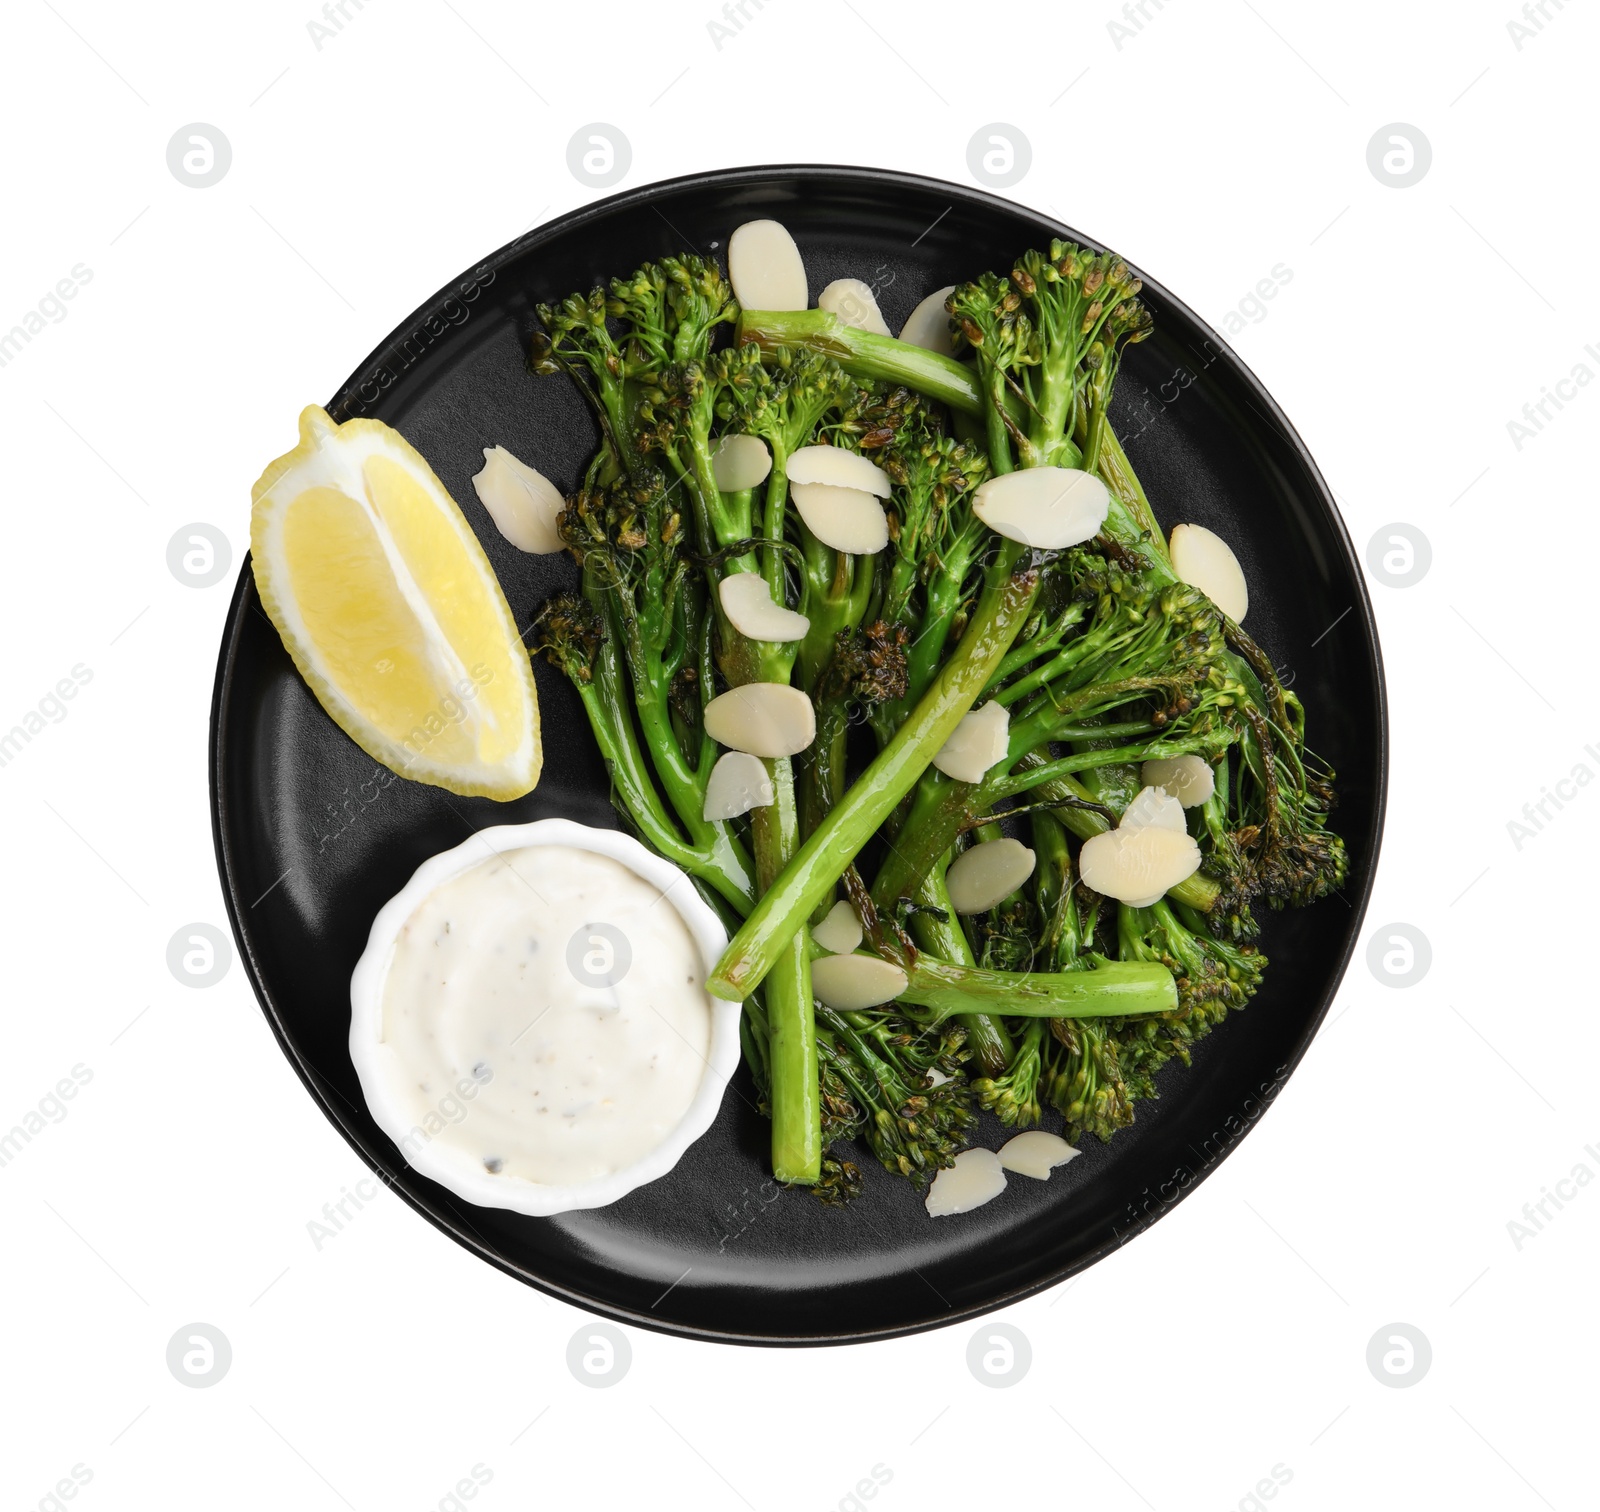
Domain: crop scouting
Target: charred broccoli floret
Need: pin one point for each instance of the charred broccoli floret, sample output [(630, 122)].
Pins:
[(877, 1087)]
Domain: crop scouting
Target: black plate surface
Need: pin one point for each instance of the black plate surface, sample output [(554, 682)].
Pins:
[(312, 837)]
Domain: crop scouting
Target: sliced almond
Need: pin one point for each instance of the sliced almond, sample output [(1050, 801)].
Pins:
[(1047, 507), (1190, 779), (975, 1178), (838, 467), (765, 267), (1137, 866), (847, 519), (1036, 1153), (738, 783), (854, 303), (1154, 805), (763, 718), (1205, 561), (929, 324), (752, 611), (840, 932), (739, 462), (975, 744), (521, 501), (982, 876), (849, 982)]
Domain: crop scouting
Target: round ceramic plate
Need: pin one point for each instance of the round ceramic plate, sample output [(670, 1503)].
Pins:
[(313, 837)]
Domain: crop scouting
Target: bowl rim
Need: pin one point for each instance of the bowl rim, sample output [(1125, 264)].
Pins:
[(449, 1165), (349, 401)]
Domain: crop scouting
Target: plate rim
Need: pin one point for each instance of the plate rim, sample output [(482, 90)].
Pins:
[(328, 1099)]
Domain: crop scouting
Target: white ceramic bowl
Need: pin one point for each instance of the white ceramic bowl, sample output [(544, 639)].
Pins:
[(378, 1067)]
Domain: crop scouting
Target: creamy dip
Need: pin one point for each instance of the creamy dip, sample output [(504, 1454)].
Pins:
[(545, 1012)]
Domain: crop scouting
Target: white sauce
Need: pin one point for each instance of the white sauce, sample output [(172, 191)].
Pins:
[(516, 1033)]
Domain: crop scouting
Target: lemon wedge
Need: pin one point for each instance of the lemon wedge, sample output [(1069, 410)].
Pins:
[(391, 610)]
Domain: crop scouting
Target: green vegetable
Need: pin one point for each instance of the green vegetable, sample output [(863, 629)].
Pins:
[(1055, 998), (1042, 334), (1013, 1096), (820, 862), (1111, 988), (1269, 827), (876, 1086)]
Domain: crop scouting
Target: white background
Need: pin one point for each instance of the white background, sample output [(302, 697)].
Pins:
[(1217, 141)]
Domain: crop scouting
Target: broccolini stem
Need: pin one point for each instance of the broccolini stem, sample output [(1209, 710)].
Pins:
[(1034, 652), (1003, 608), (1118, 475), (1009, 785), (823, 780), (775, 506), (682, 782), (838, 587), (755, 1039), (722, 863), (774, 831), (986, 1035), (943, 603), (1112, 989), (793, 1089), (865, 354)]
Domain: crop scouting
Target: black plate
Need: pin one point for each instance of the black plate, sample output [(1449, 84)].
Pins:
[(312, 837)]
